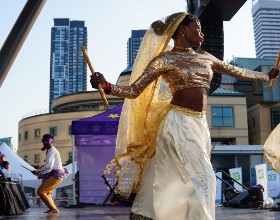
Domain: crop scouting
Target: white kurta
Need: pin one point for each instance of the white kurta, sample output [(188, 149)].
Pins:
[(179, 181), (52, 161)]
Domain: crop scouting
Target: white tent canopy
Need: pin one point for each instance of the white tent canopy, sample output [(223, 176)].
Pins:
[(16, 164)]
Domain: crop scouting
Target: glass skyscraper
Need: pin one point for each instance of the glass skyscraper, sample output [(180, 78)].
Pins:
[(68, 68), (266, 19), (8, 141), (133, 45)]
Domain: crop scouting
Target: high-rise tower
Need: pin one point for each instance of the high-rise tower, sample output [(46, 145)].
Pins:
[(266, 19), (67, 66), (133, 45)]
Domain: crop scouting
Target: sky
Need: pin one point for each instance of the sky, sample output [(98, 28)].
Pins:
[(25, 90)]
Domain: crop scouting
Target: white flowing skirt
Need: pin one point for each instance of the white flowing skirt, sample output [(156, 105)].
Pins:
[(179, 181)]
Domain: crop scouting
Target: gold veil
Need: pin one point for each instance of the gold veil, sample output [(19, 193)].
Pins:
[(271, 149), (141, 117)]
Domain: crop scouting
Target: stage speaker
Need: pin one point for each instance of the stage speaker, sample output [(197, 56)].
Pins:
[(241, 200), (230, 193), (256, 192), (256, 195), (213, 37), (214, 44)]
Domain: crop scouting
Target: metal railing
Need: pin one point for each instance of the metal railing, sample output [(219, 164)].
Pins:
[(35, 113)]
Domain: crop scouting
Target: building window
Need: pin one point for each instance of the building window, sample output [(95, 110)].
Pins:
[(222, 141), (37, 158), (70, 130), (275, 117), (26, 135), (37, 133), (53, 131), (70, 156), (74, 108), (222, 117), (253, 122), (19, 137), (90, 107)]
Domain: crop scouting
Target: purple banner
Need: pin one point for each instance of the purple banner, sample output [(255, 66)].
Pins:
[(95, 156), (95, 141), (90, 140), (105, 123)]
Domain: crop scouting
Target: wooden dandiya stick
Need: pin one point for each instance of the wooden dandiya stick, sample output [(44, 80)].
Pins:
[(106, 103), (28, 161), (276, 66), (26, 168)]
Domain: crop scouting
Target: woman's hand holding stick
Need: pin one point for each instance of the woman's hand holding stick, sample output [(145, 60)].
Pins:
[(93, 73)]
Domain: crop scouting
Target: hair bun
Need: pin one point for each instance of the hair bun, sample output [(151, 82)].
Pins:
[(158, 27)]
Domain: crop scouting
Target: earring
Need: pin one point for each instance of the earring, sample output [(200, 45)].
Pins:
[(183, 34)]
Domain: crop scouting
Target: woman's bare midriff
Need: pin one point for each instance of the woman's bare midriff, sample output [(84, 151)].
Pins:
[(192, 98)]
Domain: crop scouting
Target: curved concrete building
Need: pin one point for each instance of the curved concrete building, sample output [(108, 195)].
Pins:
[(65, 109)]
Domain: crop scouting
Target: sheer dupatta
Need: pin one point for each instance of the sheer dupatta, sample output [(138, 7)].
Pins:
[(271, 149), (141, 117)]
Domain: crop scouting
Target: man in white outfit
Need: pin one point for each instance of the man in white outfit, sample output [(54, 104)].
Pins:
[(51, 173)]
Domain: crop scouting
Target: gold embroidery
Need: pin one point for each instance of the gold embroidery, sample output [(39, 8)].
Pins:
[(188, 111)]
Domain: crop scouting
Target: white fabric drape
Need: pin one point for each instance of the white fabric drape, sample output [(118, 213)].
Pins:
[(179, 181)]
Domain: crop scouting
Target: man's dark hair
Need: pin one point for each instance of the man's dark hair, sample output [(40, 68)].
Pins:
[(48, 136)]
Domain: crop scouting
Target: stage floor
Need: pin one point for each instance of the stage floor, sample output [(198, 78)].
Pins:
[(122, 213)]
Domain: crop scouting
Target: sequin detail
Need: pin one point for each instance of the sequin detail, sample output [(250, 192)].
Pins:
[(183, 70)]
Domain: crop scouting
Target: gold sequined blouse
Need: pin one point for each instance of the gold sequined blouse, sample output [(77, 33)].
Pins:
[(184, 70)]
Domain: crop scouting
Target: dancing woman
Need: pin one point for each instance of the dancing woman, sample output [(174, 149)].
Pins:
[(164, 146)]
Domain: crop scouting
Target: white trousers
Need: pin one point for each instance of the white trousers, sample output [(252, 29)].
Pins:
[(179, 181)]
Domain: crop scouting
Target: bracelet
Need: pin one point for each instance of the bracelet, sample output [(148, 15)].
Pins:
[(107, 88)]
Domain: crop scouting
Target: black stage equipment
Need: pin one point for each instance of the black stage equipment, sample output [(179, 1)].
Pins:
[(213, 44), (115, 198), (242, 200), (230, 193), (251, 197), (256, 196)]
